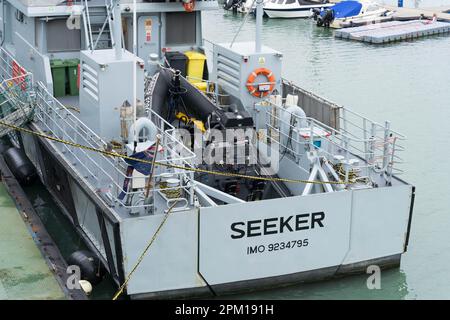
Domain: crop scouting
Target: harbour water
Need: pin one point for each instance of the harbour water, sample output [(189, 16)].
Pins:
[(406, 83), (24, 274)]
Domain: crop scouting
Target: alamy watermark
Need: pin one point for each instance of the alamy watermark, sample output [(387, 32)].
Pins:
[(74, 277), (374, 280), (230, 147)]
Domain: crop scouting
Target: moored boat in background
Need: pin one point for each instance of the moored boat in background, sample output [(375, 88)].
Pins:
[(349, 13), (293, 8)]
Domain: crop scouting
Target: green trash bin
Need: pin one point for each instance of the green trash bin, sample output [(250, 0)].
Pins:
[(72, 75), (59, 77)]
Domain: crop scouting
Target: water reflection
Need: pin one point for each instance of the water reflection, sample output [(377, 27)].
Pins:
[(393, 286)]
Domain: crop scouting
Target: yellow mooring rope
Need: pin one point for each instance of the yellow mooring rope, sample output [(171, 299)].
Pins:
[(141, 257), (168, 165), (118, 155)]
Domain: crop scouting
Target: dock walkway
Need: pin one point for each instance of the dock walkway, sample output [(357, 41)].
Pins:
[(393, 31), (442, 13), (24, 274)]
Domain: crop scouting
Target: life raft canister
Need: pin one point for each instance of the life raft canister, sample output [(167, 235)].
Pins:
[(189, 5), (254, 89)]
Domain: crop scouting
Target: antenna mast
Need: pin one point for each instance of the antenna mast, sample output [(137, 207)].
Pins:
[(134, 73)]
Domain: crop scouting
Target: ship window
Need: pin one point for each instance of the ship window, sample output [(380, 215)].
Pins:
[(280, 1), (290, 1), (60, 38), (180, 28)]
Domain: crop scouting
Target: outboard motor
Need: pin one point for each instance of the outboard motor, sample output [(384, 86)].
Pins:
[(315, 13), (176, 91), (20, 165), (228, 4), (326, 18)]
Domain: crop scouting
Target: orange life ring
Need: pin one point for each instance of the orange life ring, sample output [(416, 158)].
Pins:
[(253, 88), (189, 5)]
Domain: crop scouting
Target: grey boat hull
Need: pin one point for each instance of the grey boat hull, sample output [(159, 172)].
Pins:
[(57, 174), (322, 274)]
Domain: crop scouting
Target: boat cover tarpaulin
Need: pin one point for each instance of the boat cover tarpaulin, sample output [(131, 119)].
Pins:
[(345, 9), (141, 167)]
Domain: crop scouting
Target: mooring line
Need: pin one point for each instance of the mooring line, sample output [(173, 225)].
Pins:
[(168, 165), (141, 257)]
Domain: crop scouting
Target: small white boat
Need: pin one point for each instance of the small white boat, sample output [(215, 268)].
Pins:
[(352, 13), (293, 8)]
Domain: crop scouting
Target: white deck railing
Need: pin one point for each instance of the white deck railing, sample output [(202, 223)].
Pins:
[(106, 174), (376, 146), (16, 92)]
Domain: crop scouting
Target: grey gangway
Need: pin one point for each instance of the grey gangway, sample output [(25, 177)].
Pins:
[(393, 31)]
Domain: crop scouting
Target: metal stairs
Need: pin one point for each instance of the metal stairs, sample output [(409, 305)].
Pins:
[(97, 21)]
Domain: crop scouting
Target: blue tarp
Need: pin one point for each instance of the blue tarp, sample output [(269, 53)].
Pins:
[(142, 167), (345, 9)]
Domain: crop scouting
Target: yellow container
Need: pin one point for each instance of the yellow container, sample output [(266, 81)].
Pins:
[(196, 64), (202, 86)]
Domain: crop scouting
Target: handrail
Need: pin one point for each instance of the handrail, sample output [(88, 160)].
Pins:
[(379, 153), (89, 26), (107, 176), (16, 91)]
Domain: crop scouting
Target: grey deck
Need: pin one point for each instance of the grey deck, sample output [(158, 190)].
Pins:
[(393, 31)]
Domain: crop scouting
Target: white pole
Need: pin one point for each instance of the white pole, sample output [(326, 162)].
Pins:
[(259, 18), (134, 71), (117, 31)]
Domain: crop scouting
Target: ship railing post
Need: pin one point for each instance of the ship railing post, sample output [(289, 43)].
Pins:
[(54, 118), (371, 160), (347, 158), (366, 146), (115, 181), (388, 151), (311, 136), (165, 142), (386, 145), (191, 187), (390, 168), (344, 123)]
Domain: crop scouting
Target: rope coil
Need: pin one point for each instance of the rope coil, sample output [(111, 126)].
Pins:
[(170, 193)]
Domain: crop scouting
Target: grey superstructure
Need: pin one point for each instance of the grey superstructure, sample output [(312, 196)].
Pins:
[(275, 187)]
